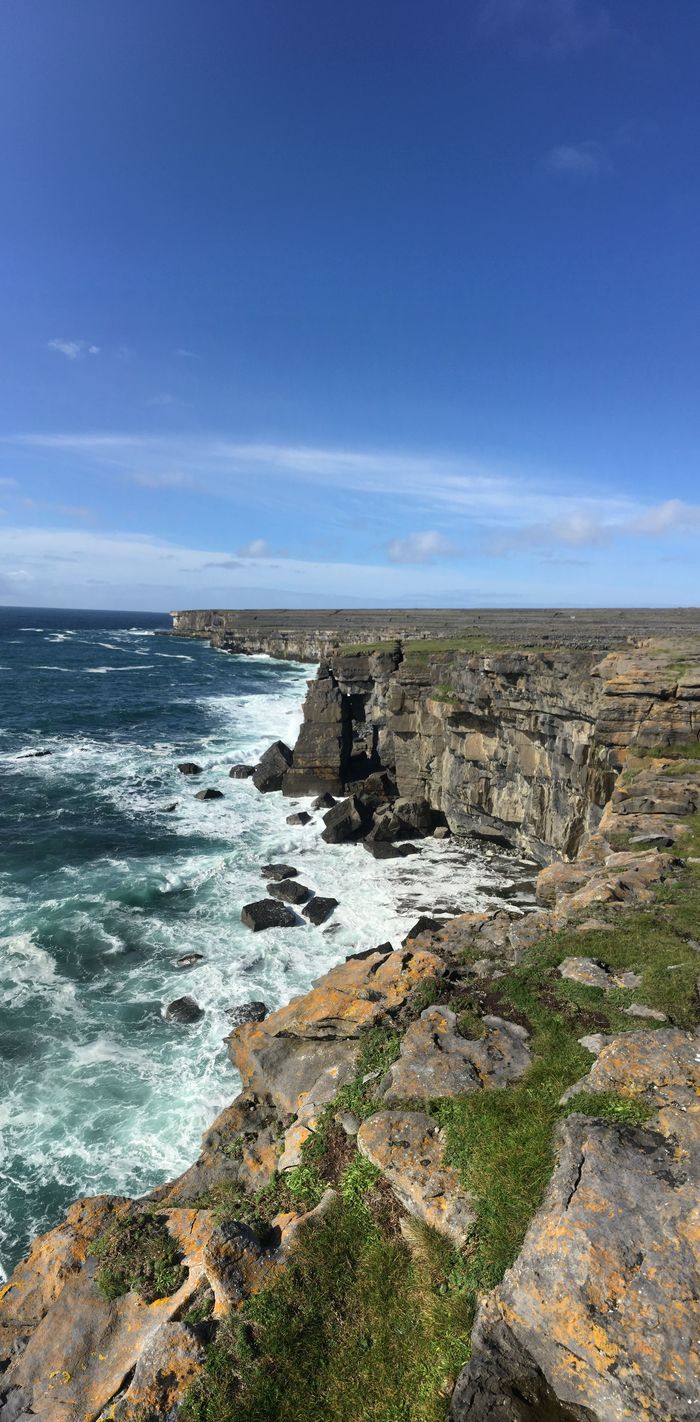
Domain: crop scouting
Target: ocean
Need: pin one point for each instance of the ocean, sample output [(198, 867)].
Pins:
[(101, 889)]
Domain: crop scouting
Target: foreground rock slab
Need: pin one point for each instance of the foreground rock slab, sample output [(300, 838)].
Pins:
[(436, 1061), (407, 1147), (599, 1318)]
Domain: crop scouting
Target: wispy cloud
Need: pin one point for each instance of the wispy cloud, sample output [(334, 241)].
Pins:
[(420, 548), (588, 159), (185, 354), (552, 28), (163, 479), (73, 350), (582, 531), (79, 511), (257, 548)]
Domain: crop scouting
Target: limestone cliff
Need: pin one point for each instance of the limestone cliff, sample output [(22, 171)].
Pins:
[(523, 747)]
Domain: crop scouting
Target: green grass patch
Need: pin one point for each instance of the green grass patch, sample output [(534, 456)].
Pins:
[(686, 750), (609, 1106), (358, 1325), (138, 1253)]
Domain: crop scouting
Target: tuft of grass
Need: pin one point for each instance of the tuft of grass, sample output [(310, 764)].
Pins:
[(138, 1253), (609, 1106)]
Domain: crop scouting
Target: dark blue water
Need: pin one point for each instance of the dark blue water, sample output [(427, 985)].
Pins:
[(101, 889)]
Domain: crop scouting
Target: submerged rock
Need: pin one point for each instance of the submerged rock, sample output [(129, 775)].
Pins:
[(290, 891), (273, 766), (183, 1009), (301, 817), (189, 960), (209, 794), (189, 767), (319, 909), (268, 913), (168, 809), (246, 1012)]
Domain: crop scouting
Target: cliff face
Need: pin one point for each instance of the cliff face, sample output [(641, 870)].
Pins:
[(520, 747)]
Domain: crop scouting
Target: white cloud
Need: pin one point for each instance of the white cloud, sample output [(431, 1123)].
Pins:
[(257, 548), (588, 159), (420, 548), (184, 354), (487, 494), (73, 350), (8, 483), (673, 516)]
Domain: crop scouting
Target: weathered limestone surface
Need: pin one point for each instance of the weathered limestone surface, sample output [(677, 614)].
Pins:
[(599, 1316), (436, 1061), (407, 1147)]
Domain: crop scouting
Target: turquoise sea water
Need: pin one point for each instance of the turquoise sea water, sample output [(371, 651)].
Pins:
[(101, 890)]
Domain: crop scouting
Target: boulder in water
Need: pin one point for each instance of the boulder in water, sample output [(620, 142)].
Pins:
[(268, 913), (279, 871), (209, 794), (275, 763), (383, 849), (35, 755), (301, 817), (319, 909), (189, 960), (189, 767), (183, 1009), (168, 809), (241, 772), (323, 802), (290, 891)]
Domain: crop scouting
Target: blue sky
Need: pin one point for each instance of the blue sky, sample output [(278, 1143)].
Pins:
[(322, 304)]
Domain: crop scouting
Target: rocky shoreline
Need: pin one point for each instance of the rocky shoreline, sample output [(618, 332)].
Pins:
[(559, 1046)]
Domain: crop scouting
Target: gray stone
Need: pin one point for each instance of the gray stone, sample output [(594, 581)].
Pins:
[(278, 871), (301, 817), (319, 909), (290, 891), (209, 794), (183, 1009), (246, 1012), (189, 767), (268, 913), (241, 772), (273, 767)]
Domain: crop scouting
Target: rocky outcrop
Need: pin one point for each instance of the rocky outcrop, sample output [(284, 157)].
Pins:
[(598, 1319)]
